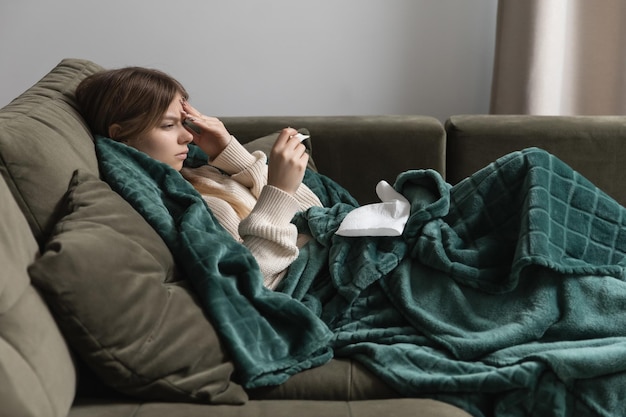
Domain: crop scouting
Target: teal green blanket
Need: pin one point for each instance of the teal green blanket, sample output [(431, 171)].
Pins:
[(505, 295)]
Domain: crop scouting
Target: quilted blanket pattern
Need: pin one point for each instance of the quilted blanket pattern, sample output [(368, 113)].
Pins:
[(505, 295)]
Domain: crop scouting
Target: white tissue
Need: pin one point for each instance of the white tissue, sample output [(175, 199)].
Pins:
[(301, 137), (386, 218)]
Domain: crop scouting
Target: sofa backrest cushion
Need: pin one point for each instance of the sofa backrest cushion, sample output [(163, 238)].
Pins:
[(43, 141), (37, 374), (359, 151), (592, 145)]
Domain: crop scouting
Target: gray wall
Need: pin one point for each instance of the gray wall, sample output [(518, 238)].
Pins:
[(273, 57)]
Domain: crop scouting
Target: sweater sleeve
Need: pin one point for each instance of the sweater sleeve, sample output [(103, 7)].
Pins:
[(269, 234), (248, 169), (267, 231)]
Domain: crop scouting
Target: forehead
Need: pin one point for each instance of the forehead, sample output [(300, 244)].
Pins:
[(175, 108)]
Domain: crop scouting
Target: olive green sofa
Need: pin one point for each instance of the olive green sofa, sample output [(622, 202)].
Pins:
[(94, 317)]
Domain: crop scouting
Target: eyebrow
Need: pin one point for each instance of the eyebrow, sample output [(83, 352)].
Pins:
[(170, 116)]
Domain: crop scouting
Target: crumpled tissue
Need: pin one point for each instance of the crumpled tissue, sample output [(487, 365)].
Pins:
[(386, 218)]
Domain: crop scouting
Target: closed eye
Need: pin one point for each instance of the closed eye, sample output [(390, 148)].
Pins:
[(171, 121)]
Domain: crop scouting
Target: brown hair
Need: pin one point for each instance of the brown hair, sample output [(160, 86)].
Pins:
[(207, 189), (135, 98)]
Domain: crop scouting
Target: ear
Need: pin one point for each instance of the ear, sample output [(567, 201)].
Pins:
[(114, 130)]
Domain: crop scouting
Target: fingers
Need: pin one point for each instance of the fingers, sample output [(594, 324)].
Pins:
[(190, 110), (209, 133), (287, 162), (195, 121), (291, 138), (285, 135), (201, 122)]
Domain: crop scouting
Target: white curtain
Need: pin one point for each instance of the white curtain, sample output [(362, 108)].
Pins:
[(560, 57)]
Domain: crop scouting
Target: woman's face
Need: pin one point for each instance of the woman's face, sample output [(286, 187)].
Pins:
[(167, 142)]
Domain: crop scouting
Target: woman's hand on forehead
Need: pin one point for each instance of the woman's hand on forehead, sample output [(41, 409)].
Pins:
[(209, 133)]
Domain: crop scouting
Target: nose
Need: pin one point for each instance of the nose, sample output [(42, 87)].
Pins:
[(185, 136)]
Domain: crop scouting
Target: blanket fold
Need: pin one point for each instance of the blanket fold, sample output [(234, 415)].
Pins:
[(505, 294), (526, 209), (270, 336)]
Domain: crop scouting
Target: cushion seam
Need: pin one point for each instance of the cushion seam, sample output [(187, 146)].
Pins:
[(110, 355)]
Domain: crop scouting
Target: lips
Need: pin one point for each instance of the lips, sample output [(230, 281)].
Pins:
[(182, 155)]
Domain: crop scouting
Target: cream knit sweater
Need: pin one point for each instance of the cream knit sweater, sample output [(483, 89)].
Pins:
[(267, 231)]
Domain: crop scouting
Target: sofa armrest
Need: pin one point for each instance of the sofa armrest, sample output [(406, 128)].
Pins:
[(595, 146), (359, 151)]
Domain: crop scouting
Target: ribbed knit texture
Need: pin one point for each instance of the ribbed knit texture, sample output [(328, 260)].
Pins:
[(267, 231)]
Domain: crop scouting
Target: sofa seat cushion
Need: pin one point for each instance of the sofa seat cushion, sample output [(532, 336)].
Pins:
[(111, 282), (340, 379), (273, 408), (37, 375)]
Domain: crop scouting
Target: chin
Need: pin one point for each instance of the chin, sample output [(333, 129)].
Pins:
[(177, 165)]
